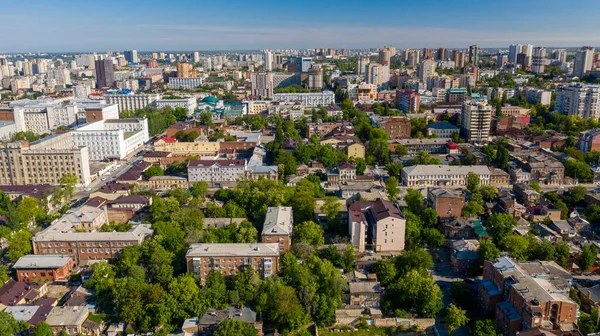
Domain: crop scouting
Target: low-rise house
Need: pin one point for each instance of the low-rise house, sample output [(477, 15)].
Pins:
[(111, 191), (446, 202), (589, 296), (32, 314), (499, 178), (540, 213), (42, 192), (68, 319), (563, 228), (277, 227), (379, 225), (442, 129), (44, 267), (221, 222), (526, 194), (124, 208), (15, 293), (463, 255), (352, 188), (165, 182), (431, 146), (458, 228), (442, 175), (217, 173), (546, 172), (263, 258), (208, 322), (365, 293)]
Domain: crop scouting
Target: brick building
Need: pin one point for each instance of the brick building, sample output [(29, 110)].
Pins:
[(277, 227), (396, 127), (44, 268), (446, 202), (263, 258)]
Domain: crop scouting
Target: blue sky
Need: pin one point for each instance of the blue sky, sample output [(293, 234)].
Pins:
[(67, 25)]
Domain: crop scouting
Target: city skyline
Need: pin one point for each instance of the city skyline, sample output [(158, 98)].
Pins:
[(188, 25)]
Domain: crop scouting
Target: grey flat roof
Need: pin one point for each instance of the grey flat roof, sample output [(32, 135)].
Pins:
[(225, 250), (278, 221), (41, 261)]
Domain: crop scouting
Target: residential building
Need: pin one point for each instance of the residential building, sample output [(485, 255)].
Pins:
[(44, 161), (185, 70), (365, 293), (263, 258), (456, 96), (441, 54), (83, 246), (217, 173), (176, 148), (112, 139), (589, 140), (105, 73), (277, 227), (395, 127), (386, 54), (474, 54), (362, 92), (188, 83), (408, 101), (190, 104), (377, 226), (560, 55), (526, 194), (432, 146), (459, 58), (262, 84), (584, 60), (315, 77), (207, 323), (130, 101), (443, 130), (303, 64), (538, 61), (426, 69), (442, 175), (464, 256), (377, 73), (527, 295), (355, 151), (68, 319), (44, 268), (111, 191), (475, 120), (361, 65), (547, 172), (579, 100), (131, 56), (513, 51), (308, 99), (446, 202)]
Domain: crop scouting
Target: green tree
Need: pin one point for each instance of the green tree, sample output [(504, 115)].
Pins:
[(180, 194), (429, 217), (485, 328), (588, 257), (579, 170), (10, 326), (42, 329), (502, 157), (234, 327), (416, 292), (199, 189), (472, 182), (19, 244), (385, 270), (331, 208), (417, 259), (433, 237), (488, 192), (308, 232), (4, 274), (29, 209), (401, 150), (517, 246), (500, 226), (361, 165), (153, 171), (536, 186), (455, 318), (488, 251), (392, 189), (414, 200), (68, 183)]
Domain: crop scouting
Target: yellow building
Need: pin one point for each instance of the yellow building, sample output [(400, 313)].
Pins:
[(356, 150), (194, 148)]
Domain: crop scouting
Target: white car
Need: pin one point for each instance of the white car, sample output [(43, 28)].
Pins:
[(104, 179)]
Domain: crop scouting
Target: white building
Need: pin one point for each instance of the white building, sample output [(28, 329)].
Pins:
[(578, 100), (584, 60), (216, 172), (112, 139), (513, 51), (190, 104), (475, 120), (262, 84), (426, 70), (310, 99), (185, 83), (130, 101), (434, 175), (538, 61)]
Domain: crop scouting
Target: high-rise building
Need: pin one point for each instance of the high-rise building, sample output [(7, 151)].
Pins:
[(377, 73), (513, 51), (426, 70), (408, 101), (262, 84), (427, 53), (268, 61), (501, 60), (105, 73), (315, 77), (196, 57), (413, 57), (185, 70), (560, 55), (441, 54), (361, 65), (386, 54), (578, 100), (528, 51), (583, 61), (538, 61), (131, 56), (303, 64), (475, 120), (474, 54), (459, 58)]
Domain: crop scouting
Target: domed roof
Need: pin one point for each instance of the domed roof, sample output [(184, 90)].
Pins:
[(210, 99)]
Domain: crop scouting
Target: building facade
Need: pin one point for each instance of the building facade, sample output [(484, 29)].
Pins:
[(112, 139), (378, 226), (131, 102), (434, 175), (310, 99), (217, 172), (277, 227), (475, 121)]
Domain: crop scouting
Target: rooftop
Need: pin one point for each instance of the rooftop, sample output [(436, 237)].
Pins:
[(221, 163), (443, 126), (243, 249), (136, 233), (278, 221), (214, 316), (41, 261), (364, 287), (67, 316), (445, 170)]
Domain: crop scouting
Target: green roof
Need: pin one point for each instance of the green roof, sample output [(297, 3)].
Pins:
[(210, 99), (479, 229)]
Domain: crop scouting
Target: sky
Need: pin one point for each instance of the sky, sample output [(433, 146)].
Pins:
[(186, 25)]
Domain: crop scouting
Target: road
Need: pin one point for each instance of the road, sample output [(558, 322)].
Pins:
[(444, 276)]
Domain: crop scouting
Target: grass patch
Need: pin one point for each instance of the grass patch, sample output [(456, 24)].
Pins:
[(98, 318)]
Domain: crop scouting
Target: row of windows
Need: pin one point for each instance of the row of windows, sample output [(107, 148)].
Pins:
[(87, 244)]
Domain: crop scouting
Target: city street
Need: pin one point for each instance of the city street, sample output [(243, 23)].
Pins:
[(444, 276)]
